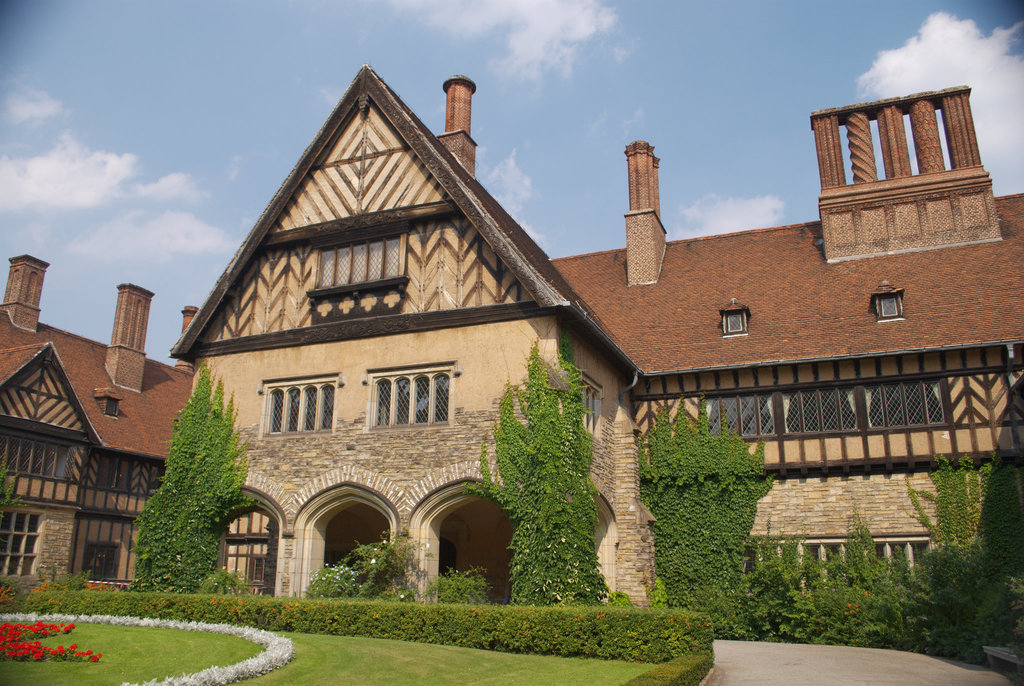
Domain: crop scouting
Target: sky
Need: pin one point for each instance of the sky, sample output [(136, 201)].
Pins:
[(140, 141)]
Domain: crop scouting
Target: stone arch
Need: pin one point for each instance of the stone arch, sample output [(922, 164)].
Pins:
[(457, 529), (391, 492), (249, 543), (315, 525), (606, 541), (269, 493)]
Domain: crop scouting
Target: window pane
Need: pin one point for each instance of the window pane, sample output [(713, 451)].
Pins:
[(714, 416), (791, 408), (748, 412), (422, 400), (343, 267), (391, 261), (441, 398), (729, 414), (37, 458), (767, 418), (309, 416), (915, 403), (402, 387), (376, 261), (326, 407), (358, 263), (276, 411), (873, 398), (326, 268), (931, 394), (809, 399), (849, 415), (889, 306), (383, 402), (293, 409), (893, 405), (829, 411)]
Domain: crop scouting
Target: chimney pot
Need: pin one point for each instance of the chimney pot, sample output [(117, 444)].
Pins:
[(457, 121), (645, 235), (126, 354), (187, 315), (24, 289)]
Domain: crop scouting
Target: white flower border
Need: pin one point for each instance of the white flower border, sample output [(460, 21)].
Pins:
[(279, 650)]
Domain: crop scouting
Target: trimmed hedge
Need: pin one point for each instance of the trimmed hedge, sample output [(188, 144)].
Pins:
[(687, 670), (610, 633)]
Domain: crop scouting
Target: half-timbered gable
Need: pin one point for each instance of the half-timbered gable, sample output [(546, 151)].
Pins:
[(84, 430)]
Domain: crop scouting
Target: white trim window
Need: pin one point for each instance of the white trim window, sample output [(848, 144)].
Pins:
[(410, 397), (295, 407), (592, 395)]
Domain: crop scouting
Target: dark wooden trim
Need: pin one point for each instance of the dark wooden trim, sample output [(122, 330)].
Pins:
[(375, 326), (29, 426), (362, 286)]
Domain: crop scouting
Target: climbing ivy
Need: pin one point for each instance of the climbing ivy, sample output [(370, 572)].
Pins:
[(7, 496), (544, 486), (180, 526), (703, 489), (956, 501)]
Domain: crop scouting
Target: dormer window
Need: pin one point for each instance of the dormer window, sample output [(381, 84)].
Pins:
[(735, 319), (887, 302), (110, 407), (109, 400)]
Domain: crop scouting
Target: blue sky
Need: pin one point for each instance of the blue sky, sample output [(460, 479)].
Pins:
[(140, 141)]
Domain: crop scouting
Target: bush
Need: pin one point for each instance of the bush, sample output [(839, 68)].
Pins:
[(223, 582), (469, 587), (372, 570), (603, 632), (619, 599), (687, 670)]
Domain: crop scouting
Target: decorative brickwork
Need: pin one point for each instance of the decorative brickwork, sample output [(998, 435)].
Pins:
[(24, 288), (126, 356), (457, 119)]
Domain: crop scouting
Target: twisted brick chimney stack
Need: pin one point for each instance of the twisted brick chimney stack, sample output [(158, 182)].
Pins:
[(902, 211), (24, 288), (187, 315), (126, 354), (645, 235), (458, 113)]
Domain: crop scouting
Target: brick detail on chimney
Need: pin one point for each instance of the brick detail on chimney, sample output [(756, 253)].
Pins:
[(126, 354), (458, 119), (187, 315), (645, 235), (24, 289), (903, 211)]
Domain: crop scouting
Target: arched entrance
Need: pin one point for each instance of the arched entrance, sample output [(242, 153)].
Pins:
[(249, 548), (457, 531), (334, 522), (606, 541)]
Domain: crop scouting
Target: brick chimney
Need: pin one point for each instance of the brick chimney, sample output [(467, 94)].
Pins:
[(187, 315), (24, 288), (645, 235), (901, 211), (126, 354), (458, 113)]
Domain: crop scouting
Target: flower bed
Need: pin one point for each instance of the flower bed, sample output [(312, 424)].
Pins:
[(15, 643), (279, 650)]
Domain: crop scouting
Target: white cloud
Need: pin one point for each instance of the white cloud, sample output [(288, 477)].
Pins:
[(948, 51), (176, 186), (70, 176), (630, 125), (510, 184), (713, 214), (540, 35), (134, 236), (31, 106)]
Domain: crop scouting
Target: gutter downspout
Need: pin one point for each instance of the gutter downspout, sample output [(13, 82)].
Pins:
[(1014, 437)]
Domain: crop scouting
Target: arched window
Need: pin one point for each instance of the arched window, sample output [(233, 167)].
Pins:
[(309, 411), (421, 399), (441, 383), (294, 399), (276, 411), (326, 407), (402, 401), (304, 408), (383, 402)]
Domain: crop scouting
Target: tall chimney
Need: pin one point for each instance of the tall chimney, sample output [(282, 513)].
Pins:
[(458, 113), (24, 288), (126, 354), (187, 315), (645, 235)]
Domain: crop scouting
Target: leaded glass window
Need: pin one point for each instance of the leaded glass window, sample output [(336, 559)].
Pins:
[(326, 407), (424, 399), (306, 408), (402, 387), (360, 263), (383, 402), (276, 411), (441, 383)]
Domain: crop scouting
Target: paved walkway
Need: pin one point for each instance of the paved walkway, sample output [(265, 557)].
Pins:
[(741, 663)]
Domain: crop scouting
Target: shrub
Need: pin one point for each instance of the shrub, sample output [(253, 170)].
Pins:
[(372, 570), (688, 670), (223, 582), (619, 599), (610, 633), (469, 587), (657, 596)]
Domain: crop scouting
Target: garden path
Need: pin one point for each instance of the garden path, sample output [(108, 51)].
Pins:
[(750, 663)]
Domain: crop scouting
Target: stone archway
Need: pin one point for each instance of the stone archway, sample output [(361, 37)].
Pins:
[(332, 523), (606, 541), (457, 531), (249, 547)]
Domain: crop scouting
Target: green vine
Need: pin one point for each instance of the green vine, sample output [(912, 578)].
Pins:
[(544, 486), (957, 501), (180, 526), (703, 490)]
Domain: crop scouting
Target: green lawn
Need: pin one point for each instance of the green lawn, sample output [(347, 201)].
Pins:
[(139, 654)]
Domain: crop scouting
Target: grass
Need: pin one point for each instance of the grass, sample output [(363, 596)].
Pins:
[(140, 654), (133, 654)]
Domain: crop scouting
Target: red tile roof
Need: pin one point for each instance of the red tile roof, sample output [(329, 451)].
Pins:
[(802, 307), (145, 420)]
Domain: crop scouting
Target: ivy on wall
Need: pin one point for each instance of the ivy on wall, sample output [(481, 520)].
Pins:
[(703, 490), (544, 486), (180, 526), (956, 501)]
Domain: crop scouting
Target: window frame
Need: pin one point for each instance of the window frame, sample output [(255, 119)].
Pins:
[(399, 416), (392, 253), (25, 539), (728, 314), (283, 391)]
